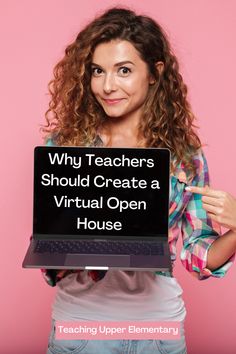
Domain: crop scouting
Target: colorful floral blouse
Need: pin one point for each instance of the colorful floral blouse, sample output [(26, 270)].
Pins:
[(186, 218)]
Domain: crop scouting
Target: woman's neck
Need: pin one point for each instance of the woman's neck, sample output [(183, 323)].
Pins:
[(120, 132)]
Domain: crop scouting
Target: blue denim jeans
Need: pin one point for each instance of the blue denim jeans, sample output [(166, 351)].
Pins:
[(116, 346)]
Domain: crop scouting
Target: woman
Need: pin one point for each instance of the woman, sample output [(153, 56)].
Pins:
[(119, 85)]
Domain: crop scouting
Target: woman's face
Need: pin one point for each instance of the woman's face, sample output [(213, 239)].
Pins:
[(120, 79)]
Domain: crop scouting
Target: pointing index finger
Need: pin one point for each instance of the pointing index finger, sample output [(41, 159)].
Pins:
[(203, 191)]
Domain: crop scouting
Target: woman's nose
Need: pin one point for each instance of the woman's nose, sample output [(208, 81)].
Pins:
[(109, 84)]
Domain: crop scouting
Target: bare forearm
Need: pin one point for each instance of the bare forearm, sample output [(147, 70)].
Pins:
[(221, 250)]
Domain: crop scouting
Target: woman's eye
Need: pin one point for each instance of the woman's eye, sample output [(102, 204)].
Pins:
[(124, 70), (96, 71)]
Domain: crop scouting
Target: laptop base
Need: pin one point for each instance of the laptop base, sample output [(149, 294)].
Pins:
[(96, 261)]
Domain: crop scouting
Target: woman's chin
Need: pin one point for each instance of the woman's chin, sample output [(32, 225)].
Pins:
[(113, 114)]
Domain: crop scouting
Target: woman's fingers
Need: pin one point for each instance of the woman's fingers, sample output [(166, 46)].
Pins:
[(212, 200), (220, 206), (219, 220), (207, 191), (211, 208)]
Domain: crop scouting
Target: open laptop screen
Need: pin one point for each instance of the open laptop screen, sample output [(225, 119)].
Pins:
[(101, 192)]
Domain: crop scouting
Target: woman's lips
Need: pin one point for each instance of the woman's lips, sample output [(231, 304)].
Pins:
[(114, 101)]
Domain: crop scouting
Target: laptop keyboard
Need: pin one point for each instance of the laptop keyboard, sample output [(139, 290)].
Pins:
[(95, 247)]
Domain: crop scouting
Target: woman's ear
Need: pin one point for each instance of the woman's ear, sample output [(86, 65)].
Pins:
[(160, 67)]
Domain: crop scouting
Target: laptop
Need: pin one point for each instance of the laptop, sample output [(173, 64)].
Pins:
[(100, 208)]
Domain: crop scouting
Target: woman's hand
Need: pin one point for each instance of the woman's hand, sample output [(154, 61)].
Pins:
[(221, 206)]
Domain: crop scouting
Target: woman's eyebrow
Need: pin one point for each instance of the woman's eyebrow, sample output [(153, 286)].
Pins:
[(117, 64)]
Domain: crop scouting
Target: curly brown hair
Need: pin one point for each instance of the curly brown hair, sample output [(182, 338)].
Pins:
[(74, 115)]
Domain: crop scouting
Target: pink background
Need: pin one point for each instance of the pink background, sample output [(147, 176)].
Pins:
[(34, 35)]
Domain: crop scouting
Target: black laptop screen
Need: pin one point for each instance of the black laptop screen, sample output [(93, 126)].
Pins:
[(93, 191)]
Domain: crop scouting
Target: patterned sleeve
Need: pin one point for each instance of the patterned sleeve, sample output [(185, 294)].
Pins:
[(198, 230), (52, 276)]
